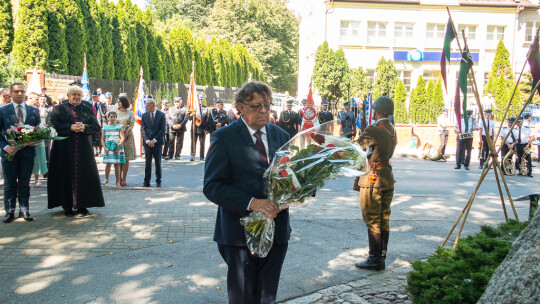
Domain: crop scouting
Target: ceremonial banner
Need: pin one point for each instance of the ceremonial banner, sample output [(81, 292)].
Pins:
[(448, 37), (534, 61), (85, 86), (139, 106), (309, 114), (464, 67), (33, 85)]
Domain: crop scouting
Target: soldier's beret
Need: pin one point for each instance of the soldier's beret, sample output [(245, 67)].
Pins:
[(324, 103), (177, 99), (220, 102)]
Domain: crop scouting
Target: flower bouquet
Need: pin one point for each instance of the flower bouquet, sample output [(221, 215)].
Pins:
[(21, 135), (303, 165)]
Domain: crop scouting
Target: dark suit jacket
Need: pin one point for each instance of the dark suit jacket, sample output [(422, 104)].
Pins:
[(234, 174), (156, 130), (8, 118)]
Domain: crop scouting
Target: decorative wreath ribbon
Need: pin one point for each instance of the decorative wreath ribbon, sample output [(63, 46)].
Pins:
[(289, 171)]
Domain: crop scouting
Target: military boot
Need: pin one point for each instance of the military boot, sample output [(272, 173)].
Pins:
[(384, 238), (373, 262)]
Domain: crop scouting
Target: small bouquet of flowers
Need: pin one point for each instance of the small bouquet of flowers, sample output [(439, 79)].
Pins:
[(21, 135), (303, 165)]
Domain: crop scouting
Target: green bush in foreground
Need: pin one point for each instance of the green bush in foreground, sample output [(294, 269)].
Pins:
[(461, 275)]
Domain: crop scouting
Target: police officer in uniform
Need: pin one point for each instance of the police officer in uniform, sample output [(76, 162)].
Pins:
[(200, 131), (464, 140), (324, 114), (301, 112), (289, 120), (217, 118), (347, 120), (523, 142), (178, 120), (490, 124), (510, 142), (165, 109), (377, 188)]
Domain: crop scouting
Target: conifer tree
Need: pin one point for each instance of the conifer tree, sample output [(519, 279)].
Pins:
[(155, 64), (418, 106), (75, 37), (142, 44), (56, 23), (385, 79), (106, 15), (437, 103), (93, 47), (119, 55), (400, 105), (6, 28), (31, 36)]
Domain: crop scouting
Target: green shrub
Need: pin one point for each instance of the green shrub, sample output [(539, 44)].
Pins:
[(461, 275)]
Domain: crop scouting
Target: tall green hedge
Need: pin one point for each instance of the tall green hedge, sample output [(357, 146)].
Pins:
[(31, 36), (75, 37), (6, 28), (56, 22), (400, 105)]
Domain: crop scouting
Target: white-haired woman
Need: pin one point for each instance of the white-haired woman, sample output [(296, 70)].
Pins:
[(73, 175)]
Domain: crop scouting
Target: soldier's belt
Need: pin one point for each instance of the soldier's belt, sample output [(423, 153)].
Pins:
[(379, 165), (465, 135)]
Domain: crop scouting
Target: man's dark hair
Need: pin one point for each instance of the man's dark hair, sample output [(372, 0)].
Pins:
[(246, 92), (124, 101), (17, 83)]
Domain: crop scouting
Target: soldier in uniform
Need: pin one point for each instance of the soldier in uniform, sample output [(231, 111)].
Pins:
[(464, 141), (324, 114), (165, 109), (217, 118), (198, 133), (490, 124), (523, 142), (510, 142), (233, 113), (178, 119), (289, 120), (100, 110), (301, 111), (377, 187), (347, 120)]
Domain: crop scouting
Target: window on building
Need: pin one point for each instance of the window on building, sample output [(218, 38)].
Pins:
[(350, 31), (530, 30), (486, 79), (435, 33), (405, 76), (403, 33), (470, 31), (376, 31), (370, 76), (469, 84), (430, 75), (495, 33)]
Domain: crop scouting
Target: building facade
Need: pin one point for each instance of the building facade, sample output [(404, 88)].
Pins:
[(411, 32)]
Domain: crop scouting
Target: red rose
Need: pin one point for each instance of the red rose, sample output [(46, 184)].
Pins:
[(318, 138), (284, 160)]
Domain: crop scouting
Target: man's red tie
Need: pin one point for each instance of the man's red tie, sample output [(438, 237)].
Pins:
[(260, 146)]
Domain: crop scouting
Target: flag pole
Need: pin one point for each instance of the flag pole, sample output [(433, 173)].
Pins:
[(140, 133), (193, 126)]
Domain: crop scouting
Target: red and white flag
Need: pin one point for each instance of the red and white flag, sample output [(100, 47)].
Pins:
[(309, 113)]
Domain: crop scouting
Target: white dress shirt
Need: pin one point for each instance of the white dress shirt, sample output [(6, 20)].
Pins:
[(442, 123), (265, 142), (491, 126)]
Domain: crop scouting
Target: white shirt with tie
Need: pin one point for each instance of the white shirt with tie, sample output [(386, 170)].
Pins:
[(490, 125), (264, 139), (23, 108)]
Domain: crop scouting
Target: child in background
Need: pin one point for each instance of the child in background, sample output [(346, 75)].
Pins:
[(112, 138)]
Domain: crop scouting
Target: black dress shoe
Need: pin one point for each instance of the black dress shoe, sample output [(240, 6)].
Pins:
[(530, 174), (177, 157), (466, 167), (158, 184), (9, 218), (202, 158), (166, 158), (69, 213), (145, 185), (83, 211), (26, 216), (192, 159), (457, 167)]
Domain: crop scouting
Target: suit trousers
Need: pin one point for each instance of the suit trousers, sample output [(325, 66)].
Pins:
[(252, 280), (176, 142), (485, 150), (17, 174), (520, 153), (375, 206), (155, 153), (444, 141), (463, 153), (201, 138), (166, 144)]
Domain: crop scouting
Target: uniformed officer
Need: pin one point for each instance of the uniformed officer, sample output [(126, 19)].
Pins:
[(324, 114), (289, 120), (442, 124), (198, 133), (165, 109), (464, 140), (377, 187), (510, 142), (178, 120), (346, 118), (301, 112), (527, 120), (217, 118), (523, 142), (490, 124)]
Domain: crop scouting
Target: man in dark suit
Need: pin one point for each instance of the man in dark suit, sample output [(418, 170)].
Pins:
[(17, 172), (100, 109), (178, 120), (153, 124), (200, 129), (233, 179)]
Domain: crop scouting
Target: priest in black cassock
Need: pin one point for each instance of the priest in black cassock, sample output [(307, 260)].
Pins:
[(73, 175)]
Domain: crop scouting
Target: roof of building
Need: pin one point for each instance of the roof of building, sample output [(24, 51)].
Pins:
[(492, 3)]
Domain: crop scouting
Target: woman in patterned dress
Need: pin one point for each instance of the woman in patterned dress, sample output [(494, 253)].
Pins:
[(112, 139), (127, 119)]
